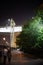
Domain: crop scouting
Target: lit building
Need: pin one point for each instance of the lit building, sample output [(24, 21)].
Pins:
[(5, 33)]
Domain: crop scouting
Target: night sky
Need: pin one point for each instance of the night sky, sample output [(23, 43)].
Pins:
[(19, 10)]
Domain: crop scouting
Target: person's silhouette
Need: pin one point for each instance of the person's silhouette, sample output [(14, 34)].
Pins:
[(5, 55), (9, 55)]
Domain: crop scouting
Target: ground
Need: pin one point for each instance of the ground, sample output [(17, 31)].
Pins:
[(20, 58)]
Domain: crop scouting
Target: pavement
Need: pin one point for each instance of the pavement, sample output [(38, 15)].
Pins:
[(20, 58), (34, 62)]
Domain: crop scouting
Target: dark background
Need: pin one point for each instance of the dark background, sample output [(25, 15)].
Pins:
[(19, 10)]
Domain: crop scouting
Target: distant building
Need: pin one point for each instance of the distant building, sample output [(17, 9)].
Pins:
[(5, 32)]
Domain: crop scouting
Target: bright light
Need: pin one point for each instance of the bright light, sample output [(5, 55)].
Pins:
[(8, 19), (8, 29), (4, 38)]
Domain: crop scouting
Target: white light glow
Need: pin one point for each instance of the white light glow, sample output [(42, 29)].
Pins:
[(8, 29), (4, 38), (8, 19)]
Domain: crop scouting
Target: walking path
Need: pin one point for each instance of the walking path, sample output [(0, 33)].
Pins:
[(19, 58)]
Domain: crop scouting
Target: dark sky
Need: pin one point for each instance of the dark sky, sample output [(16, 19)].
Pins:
[(19, 10)]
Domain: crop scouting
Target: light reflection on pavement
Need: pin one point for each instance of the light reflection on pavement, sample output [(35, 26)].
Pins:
[(19, 56)]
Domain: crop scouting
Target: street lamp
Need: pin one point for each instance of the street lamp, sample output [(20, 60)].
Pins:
[(5, 42), (4, 38)]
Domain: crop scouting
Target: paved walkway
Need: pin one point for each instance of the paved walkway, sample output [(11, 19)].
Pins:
[(19, 58)]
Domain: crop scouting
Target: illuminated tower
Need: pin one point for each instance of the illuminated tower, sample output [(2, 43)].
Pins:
[(12, 41)]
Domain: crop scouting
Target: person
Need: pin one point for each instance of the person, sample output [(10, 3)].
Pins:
[(9, 54), (5, 55)]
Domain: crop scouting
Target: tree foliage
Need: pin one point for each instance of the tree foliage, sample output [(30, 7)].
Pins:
[(32, 33)]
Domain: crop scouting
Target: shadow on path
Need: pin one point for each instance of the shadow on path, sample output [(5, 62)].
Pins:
[(34, 62)]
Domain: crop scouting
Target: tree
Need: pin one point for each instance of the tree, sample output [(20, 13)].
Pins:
[(32, 34)]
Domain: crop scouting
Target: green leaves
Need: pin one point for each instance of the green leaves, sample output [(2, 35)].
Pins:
[(32, 33)]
